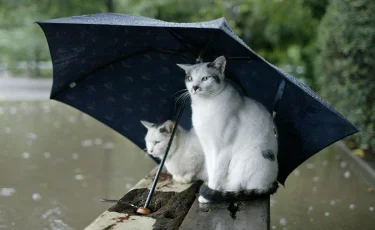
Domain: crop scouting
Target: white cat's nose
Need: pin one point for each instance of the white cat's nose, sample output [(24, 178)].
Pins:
[(195, 89)]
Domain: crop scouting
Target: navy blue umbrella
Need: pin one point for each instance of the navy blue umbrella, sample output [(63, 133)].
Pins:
[(121, 69)]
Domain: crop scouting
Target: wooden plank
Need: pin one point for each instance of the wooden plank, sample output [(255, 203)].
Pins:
[(169, 206), (235, 216)]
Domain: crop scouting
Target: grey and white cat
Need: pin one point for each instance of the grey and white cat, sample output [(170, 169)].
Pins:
[(185, 160), (236, 133)]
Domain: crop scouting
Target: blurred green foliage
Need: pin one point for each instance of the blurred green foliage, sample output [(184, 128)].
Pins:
[(346, 64), (282, 31), (285, 32)]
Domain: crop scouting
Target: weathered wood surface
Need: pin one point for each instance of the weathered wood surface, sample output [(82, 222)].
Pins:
[(253, 215), (169, 206)]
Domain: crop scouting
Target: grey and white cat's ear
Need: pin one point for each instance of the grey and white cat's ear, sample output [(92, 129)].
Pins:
[(219, 63), (186, 67), (167, 127), (147, 124)]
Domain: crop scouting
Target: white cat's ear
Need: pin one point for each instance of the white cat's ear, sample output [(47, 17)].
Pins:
[(167, 127), (219, 63), (185, 67), (147, 124)]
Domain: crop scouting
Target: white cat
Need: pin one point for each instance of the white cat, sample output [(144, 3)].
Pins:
[(185, 160), (237, 135)]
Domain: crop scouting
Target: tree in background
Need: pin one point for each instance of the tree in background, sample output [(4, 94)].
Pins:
[(281, 31), (22, 40), (346, 64)]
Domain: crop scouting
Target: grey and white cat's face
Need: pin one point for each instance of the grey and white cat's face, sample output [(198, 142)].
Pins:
[(157, 137), (205, 79)]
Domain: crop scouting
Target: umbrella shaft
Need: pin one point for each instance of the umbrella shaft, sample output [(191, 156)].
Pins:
[(180, 111)]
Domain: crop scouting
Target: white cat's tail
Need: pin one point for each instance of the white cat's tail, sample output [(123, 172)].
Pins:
[(215, 196)]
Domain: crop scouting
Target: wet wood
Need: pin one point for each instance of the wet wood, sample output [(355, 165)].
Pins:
[(175, 206), (169, 206), (253, 215)]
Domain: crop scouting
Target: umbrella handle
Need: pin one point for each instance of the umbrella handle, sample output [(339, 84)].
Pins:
[(144, 210)]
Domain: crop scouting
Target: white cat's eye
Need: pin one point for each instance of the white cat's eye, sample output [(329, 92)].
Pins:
[(157, 142), (189, 78), (204, 78)]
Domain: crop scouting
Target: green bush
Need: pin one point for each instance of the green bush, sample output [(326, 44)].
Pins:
[(346, 64)]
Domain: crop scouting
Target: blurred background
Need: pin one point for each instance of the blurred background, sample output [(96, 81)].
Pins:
[(53, 171)]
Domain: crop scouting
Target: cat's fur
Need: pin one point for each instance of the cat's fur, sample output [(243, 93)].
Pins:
[(236, 133), (185, 160)]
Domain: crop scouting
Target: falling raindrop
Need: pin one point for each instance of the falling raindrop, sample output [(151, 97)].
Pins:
[(47, 155), (46, 108), (325, 163), (310, 209), (7, 191), (273, 227), (311, 219), (56, 124), (1, 111), (79, 177), (128, 186), (75, 156), (72, 119), (371, 209), (98, 141), (352, 206), (283, 221), (332, 202), (343, 164), (272, 202), (108, 145), (86, 143), (26, 155), (326, 214), (8, 129), (36, 197), (346, 174), (314, 189), (13, 110), (310, 166), (31, 136), (315, 178), (296, 172)]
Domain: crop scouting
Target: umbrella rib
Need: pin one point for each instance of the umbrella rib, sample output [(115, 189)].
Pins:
[(86, 76)]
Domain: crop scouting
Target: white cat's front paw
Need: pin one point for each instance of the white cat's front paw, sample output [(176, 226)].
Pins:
[(177, 179), (182, 179), (203, 200)]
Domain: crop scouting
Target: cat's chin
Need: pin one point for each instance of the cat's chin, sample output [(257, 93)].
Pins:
[(156, 155)]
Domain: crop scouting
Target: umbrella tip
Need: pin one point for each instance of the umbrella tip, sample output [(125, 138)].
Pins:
[(143, 211)]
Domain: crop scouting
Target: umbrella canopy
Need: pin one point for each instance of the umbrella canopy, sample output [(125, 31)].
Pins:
[(121, 69)]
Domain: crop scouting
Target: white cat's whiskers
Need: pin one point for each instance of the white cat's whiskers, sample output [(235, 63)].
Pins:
[(182, 90), (182, 97)]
